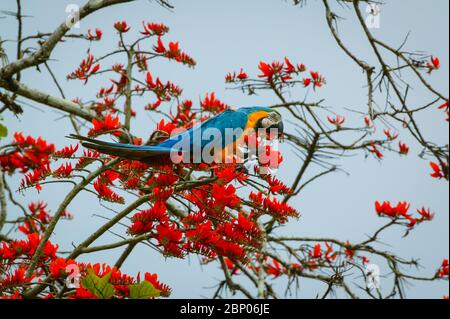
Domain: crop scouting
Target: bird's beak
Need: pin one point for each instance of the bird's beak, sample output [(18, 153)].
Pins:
[(280, 129), (273, 124)]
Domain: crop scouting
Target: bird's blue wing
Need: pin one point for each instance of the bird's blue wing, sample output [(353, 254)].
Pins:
[(233, 120), (188, 140)]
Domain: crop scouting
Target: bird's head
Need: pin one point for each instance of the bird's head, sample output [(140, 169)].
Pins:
[(268, 119)]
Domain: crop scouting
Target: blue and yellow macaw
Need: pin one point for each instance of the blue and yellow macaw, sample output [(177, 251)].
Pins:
[(245, 120)]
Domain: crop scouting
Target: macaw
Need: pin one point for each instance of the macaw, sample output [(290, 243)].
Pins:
[(244, 120)]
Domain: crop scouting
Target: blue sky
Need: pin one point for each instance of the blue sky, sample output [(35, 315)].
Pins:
[(224, 36)]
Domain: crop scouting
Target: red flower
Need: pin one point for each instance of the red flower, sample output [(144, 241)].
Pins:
[(434, 64), (316, 253), (242, 75), (18, 278), (275, 269), (153, 279), (439, 172), (290, 68), (301, 68), (169, 236), (307, 82), (28, 154), (224, 196), (373, 149), (143, 221), (166, 127), (213, 105), (34, 178), (368, 122), (95, 37), (122, 26), (85, 70), (398, 212), (273, 207), (445, 108), (64, 171), (106, 193), (404, 148), (160, 48), (58, 267), (390, 136), (318, 79), (426, 214), (66, 152), (443, 271), (174, 53), (338, 121), (278, 187), (110, 124), (151, 29), (269, 70)]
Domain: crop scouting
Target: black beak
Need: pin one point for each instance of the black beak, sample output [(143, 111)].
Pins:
[(280, 128)]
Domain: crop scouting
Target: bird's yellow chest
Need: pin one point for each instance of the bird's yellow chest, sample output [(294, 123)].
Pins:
[(232, 150)]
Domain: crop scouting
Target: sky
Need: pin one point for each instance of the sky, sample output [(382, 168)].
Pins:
[(224, 36)]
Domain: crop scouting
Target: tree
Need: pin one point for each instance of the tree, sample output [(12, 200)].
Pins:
[(230, 214)]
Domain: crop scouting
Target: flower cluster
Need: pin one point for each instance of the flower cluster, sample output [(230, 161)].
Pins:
[(15, 256), (94, 35), (400, 212), (38, 219), (109, 124), (211, 104), (27, 154), (439, 171), (85, 70), (173, 52), (443, 271)]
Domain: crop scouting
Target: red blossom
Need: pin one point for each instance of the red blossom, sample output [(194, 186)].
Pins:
[(273, 207), (94, 37), (439, 172), (274, 269), (426, 214), (166, 127), (434, 64), (143, 221), (390, 136), (153, 279), (122, 26), (66, 152), (290, 68), (169, 236), (27, 154), (443, 271), (85, 70), (404, 148), (58, 267), (232, 77), (338, 121), (109, 124), (269, 70), (374, 150), (213, 105), (34, 178), (151, 29), (15, 279), (64, 171), (173, 52), (106, 193)]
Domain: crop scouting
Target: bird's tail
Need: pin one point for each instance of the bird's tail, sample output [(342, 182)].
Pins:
[(126, 151)]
